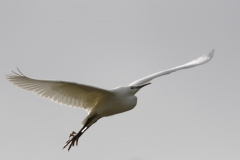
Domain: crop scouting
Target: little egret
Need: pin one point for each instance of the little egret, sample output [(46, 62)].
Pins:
[(96, 101)]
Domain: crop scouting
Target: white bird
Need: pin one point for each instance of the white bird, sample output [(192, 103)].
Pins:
[(96, 101)]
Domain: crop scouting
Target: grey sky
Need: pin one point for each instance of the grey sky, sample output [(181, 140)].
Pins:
[(191, 114)]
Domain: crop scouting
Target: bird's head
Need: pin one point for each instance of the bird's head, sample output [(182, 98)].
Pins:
[(136, 88), (129, 89)]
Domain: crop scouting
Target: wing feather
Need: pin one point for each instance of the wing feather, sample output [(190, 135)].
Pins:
[(66, 93), (201, 60)]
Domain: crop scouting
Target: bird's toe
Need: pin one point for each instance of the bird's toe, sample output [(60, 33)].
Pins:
[(72, 134)]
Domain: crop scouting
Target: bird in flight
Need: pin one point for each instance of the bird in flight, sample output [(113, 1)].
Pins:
[(96, 101)]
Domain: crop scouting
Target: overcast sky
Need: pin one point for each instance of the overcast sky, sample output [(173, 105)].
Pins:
[(192, 114)]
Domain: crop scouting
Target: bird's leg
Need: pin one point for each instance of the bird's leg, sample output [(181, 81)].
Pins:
[(73, 137)]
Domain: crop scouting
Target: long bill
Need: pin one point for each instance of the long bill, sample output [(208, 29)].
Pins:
[(140, 86)]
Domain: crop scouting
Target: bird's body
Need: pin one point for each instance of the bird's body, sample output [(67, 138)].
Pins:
[(96, 101), (124, 100), (120, 100)]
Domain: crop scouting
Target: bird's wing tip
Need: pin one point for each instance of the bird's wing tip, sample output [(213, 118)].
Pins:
[(211, 53), (18, 73)]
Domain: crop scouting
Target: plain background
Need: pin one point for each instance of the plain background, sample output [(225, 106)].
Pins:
[(191, 114)]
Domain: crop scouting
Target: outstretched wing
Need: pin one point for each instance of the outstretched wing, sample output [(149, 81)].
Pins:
[(66, 93), (201, 60)]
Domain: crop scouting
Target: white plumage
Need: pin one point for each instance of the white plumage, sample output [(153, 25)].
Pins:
[(96, 101), (66, 93)]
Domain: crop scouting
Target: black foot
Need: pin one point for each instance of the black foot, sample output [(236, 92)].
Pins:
[(72, 134), (73, 137)]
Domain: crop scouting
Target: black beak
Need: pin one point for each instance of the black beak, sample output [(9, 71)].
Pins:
[(139, 87), (143, 85)]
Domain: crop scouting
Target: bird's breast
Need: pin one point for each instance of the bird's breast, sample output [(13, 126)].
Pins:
[(119, 104), (129, 102)]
